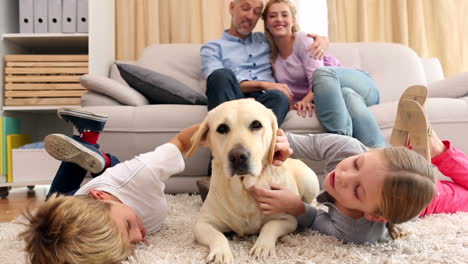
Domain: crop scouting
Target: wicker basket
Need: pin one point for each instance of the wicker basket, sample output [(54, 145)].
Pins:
[(39, 80)]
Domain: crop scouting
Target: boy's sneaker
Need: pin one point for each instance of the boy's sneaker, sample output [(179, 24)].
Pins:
[(83, 120), (68, 149)]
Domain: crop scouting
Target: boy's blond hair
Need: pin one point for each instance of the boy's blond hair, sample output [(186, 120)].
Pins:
[(74, 229)]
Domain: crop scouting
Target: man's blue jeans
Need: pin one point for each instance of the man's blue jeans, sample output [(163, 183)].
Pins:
[(222, 86), (342, 97), (69, 176)]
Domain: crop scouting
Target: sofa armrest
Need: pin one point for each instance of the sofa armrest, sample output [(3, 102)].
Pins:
[(453, 87), (121, 93), (432, 69)]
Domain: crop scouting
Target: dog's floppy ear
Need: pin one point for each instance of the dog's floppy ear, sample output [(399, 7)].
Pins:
[(274, 129), (198, 138)]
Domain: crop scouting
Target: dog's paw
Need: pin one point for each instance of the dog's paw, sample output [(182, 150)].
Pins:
[(263, 250), (220, 256)]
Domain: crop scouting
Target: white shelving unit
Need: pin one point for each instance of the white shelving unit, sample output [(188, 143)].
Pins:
[(33, 108), (99, 44), (50, 42)]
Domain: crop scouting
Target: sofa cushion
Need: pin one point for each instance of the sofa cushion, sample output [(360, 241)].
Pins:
[(114, 73), (159, 88), (91, 98), (180, 61), (394, 67), (114, 89), (453, 87)]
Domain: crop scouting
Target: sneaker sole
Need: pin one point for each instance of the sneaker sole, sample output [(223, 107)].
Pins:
[(81, 114), (67, 149)]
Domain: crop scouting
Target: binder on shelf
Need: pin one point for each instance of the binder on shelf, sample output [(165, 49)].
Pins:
[(82, 16), (10, 125), (14, 141), (26, 17), (40, 16), (54, 13), (69, 16)]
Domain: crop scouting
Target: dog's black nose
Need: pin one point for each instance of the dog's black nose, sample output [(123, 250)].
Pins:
[(239, 160)]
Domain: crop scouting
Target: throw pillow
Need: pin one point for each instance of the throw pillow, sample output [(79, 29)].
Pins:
[(122, 93), (159, 88)]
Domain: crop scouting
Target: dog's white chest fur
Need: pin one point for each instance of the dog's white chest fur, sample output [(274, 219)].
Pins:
[(234, 206)]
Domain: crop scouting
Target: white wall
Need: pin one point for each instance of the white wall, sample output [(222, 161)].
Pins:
[(313, 16)]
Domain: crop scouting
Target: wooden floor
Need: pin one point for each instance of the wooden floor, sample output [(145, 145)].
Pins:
[(19, 199)]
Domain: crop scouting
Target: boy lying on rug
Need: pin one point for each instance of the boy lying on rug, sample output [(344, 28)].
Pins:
[(109, 213), (367, 191)]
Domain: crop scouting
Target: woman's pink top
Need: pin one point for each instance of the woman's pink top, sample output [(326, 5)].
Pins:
[(297, 70)]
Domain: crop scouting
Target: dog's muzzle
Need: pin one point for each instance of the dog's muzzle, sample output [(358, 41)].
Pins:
[(239, 161)]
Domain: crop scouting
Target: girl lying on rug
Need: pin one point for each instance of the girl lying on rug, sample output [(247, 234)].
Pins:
[(109, 213), (368, 190)]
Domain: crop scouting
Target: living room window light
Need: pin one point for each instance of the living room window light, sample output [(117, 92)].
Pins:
[(313, 16)]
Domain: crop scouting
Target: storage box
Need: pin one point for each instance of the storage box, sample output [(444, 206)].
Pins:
[(38, 80), (33, 165)]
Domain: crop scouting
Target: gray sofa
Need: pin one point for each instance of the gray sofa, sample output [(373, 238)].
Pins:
[(137, 127)]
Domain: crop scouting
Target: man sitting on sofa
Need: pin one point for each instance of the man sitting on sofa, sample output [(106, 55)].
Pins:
[(238, 65)]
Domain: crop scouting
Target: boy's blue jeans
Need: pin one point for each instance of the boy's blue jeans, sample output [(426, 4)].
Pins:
[(342, 97), (69, 176)]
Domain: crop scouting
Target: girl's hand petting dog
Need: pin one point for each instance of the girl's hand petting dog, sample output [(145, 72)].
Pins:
[(277, 200)]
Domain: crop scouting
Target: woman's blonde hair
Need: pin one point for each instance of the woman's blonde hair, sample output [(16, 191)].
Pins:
[(74, 229), (295, 27), (409, 186)]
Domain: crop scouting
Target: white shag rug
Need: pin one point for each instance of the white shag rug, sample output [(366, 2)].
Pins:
[(435, 239)]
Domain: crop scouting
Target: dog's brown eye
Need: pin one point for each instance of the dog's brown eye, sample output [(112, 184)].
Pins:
[(256, 125), (222, 129)]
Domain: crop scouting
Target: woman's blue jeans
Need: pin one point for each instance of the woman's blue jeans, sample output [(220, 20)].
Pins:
[(342, 97)]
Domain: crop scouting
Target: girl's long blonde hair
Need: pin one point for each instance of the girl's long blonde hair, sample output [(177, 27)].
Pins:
[(295, 27), (408, 188)]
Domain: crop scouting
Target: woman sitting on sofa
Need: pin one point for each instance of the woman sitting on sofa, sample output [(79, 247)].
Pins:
[(341, 95)]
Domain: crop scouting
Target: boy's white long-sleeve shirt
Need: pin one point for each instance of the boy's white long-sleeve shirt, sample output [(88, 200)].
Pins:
[(139, 184)]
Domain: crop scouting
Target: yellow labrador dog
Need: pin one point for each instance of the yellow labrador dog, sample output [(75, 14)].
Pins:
[(241, 135)]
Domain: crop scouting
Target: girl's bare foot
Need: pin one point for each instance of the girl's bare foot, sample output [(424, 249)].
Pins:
[(436, 145)]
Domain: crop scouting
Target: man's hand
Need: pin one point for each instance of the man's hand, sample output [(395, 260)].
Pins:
[(282, 148), (303, 106), (319, 47), (277, 200)]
